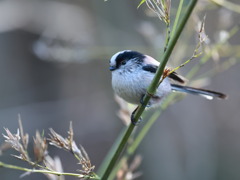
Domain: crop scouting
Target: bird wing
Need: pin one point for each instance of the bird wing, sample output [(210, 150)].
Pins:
[(174, 76)]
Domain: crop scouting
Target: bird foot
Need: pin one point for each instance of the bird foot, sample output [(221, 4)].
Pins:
[(135, 123), (141, 102)]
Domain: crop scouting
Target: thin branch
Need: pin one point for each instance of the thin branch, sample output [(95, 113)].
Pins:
[(229, 5), (208, 55), (196, 53), (9, 166)]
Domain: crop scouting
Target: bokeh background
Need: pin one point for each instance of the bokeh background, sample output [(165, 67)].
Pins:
[(54, 69)]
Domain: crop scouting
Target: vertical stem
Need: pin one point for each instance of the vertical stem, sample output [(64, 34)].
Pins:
[(151, 90), (168, 35), (177, 17), (118, 152), (153, 86)]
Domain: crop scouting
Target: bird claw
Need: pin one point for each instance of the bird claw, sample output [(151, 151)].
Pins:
[(135, 123), (141, 102)]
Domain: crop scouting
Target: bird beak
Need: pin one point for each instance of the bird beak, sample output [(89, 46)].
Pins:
[(112, 68)]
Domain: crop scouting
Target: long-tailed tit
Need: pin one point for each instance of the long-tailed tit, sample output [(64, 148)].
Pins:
[(132, 73)]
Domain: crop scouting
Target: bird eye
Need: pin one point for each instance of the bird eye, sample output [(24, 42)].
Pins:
[(123, 62)]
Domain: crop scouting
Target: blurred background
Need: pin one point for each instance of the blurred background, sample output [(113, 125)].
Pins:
[(54, 69)]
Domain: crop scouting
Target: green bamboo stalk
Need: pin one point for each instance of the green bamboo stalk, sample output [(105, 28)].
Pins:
[(177, 17), (110, 153), (168, 35), (153, 86), (154, 117), (151, 90), (118, 152)]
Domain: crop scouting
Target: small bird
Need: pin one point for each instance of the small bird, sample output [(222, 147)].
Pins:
[(133, 72)]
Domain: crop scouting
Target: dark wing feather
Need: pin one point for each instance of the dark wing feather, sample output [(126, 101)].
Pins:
[(176, 77), (173, 75), (150, 68)]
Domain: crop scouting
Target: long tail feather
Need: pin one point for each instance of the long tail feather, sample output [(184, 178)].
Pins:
[(208, 94)]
